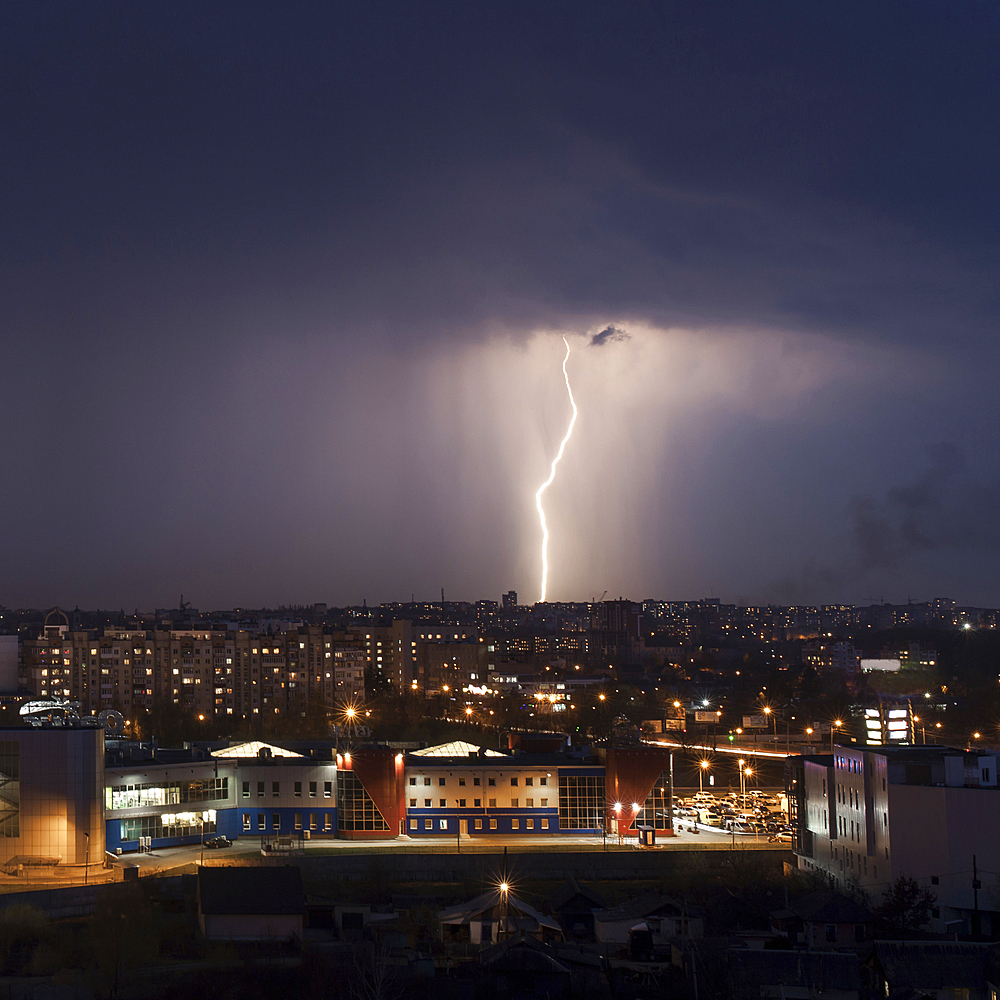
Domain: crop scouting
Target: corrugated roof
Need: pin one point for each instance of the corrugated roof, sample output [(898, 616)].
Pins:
[(933, 964), (826, 970)]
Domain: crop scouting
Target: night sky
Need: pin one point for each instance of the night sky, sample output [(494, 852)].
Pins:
[(284, 288)]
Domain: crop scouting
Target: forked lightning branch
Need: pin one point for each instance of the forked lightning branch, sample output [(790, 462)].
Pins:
[(552, 476)]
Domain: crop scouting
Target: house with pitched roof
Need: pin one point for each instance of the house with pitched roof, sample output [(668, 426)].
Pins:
[(494, 916), (825, 921), (664, 919)]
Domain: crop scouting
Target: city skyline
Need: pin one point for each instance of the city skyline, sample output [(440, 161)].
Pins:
[(286, 292)]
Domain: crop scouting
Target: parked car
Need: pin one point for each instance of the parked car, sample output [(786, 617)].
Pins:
[(220, 841)]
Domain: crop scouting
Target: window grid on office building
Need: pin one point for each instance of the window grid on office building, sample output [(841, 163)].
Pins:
[(355, 808), (154, 793), (10, 788), (186, 825), (581, 802), (657, 810)]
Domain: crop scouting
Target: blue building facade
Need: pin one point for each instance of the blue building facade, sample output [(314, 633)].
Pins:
[(183, 797), (510, 794), (262, 791)]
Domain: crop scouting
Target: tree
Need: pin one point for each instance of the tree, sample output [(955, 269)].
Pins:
[(375, 977), (22, 929), (123, 936), (905, 908)]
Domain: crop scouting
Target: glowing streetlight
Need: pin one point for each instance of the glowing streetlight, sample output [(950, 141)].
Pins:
[(703, 766), (601, 697)]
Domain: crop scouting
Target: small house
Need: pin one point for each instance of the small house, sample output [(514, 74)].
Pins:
[(251, 904)]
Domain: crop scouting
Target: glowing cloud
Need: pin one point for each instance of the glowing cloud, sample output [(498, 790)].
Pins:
[(552, 476)]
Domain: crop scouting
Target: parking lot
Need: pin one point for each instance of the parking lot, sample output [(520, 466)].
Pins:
[(756, 814)]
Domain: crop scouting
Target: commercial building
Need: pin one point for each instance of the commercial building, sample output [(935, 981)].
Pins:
[(867, 817), (159, 798), (184, 796)]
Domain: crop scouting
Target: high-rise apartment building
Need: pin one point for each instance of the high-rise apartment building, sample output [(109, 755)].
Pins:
[(212, 673)]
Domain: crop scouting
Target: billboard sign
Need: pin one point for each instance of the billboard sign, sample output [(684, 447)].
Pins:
[(705, 717), (755, 722)]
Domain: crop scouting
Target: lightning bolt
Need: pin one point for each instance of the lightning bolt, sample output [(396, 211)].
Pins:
[(552, 475)]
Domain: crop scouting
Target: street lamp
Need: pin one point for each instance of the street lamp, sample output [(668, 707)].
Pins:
[(837, 723), (702, 768)]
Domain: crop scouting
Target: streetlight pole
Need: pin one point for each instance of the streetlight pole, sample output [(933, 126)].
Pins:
[(86, 867)]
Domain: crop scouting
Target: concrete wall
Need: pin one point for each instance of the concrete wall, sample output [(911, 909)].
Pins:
[(396, 866)]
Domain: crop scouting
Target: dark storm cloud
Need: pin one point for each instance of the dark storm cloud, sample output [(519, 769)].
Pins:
[(610, 334), (945, 508), (429, 171), (217, 222)]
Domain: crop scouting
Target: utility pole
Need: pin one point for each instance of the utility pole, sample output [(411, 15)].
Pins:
[(976, 924)]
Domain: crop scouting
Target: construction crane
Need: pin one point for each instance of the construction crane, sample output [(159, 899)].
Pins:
[(597, 600)]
